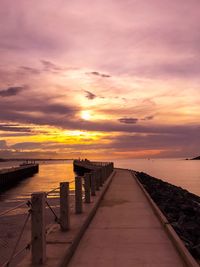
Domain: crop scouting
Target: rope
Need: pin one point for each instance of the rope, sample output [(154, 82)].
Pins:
[(56, 217), (27, 247), (53, 190), (28, 203), (19, 237)]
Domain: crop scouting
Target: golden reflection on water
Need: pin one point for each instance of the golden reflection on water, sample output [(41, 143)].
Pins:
[(49, 177), (179, 172)]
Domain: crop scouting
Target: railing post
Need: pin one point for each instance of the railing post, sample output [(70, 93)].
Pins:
[(64, 206), (97, 180), (38, 233), (101, 176), (87, 187), (93, 184), (78, 194), (105, 172)]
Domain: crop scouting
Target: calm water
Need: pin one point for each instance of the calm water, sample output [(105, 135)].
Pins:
[(176, 171), (184, 173), (49, 176)]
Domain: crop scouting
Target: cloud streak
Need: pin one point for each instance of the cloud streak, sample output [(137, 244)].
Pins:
[(98, 74), (90, 95), (11, 91), (128, 120)]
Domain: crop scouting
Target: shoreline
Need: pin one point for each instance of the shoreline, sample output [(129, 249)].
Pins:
[(181, 208)]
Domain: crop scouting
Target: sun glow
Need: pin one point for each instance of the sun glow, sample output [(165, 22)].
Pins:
[(85, 115)]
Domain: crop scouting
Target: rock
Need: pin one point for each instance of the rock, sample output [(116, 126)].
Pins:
[(181, 208)]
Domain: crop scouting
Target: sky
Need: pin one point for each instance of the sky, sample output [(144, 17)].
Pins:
[(99, 79)]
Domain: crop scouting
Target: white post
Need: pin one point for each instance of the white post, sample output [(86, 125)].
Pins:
[(38, 232), (64, 207)]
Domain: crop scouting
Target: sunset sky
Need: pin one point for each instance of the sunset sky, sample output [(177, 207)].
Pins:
[(99, 78)]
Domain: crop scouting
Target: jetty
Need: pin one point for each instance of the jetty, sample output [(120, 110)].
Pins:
[(83, 166), (125, 231), (9, 177), (113, 223)]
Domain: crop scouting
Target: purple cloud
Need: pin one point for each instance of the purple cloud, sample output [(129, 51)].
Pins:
[(96, 73), (128, 120), (29, 70), (90, 95), (50, 66), (3, 144), (148, 118), (14, 128), (11, 91)]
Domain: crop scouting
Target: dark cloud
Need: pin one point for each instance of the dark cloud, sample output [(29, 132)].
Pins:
[(36, 111), (11, 91), (14, 128), (26, 145), (90, 95), (28, 154), (181, 143), (15, 134), (128, 120), (30, 70), (50, 66), (56, 108), (3, 144), (96, 73), (148, 118)]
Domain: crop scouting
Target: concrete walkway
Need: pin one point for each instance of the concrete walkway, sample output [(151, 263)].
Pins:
[(125, 231)]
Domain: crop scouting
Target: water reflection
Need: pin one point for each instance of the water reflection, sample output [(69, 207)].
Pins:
[(176, 171), (49, 176)]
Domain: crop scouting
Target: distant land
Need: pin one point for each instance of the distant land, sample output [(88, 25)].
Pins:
[(33, 159), (196, 158)]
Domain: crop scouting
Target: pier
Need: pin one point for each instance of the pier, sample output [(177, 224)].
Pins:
[(125, 231), (9, 177), (113, 222)]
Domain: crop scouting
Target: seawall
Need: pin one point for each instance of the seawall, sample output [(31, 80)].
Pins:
[(9, 177)]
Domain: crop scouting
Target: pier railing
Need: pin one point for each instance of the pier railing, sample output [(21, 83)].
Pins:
[(16, 252), (85, 187)]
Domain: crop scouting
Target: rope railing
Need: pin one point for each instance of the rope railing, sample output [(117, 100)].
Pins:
[(85, 188), (28, 203), (14, 254), (14, 208), (20, 236), (55, 189), (56, 218), (52, 191), (26, 248)]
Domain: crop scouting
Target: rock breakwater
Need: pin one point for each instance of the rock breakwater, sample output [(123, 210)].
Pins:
[(180, 207)]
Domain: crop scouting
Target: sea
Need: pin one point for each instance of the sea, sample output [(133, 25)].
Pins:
[(180, 172)]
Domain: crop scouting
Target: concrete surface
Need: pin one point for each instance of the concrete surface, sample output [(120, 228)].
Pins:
[(125, 231)]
